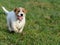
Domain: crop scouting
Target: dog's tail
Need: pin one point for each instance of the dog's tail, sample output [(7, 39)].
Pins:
[(6, 11)]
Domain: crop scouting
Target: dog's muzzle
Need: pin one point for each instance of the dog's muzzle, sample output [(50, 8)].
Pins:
[(20, 17)]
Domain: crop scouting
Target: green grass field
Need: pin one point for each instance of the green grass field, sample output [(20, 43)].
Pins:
[(42, 23)]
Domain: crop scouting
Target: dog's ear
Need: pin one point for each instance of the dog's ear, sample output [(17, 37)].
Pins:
[(15, 9), (24, 10)]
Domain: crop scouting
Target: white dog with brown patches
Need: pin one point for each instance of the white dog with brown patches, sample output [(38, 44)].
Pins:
[(15, 19)]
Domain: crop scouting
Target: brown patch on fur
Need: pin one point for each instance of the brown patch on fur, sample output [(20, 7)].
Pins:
[(24, 10), (16, 10)]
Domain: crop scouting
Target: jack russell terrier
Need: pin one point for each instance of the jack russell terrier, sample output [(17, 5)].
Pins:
[(15, 19)]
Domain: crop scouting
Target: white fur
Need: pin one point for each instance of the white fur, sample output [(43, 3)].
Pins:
[(13, 23)]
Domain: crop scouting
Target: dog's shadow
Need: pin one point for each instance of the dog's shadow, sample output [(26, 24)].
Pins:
[(6, 30)]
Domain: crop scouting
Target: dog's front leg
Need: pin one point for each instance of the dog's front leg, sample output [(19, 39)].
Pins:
[(20, 31), (14, 27)]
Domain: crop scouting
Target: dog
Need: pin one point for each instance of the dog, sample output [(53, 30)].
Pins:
[(15, 19)]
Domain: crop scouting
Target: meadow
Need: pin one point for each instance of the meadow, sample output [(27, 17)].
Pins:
[(42, 23)]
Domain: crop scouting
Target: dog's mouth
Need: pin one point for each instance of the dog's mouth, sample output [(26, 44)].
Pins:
[(20, 18)]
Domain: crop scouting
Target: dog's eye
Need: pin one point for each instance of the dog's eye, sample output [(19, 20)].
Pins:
[(23, 11), (19, 11)]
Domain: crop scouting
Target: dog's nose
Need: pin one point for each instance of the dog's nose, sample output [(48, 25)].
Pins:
[(21, 14)]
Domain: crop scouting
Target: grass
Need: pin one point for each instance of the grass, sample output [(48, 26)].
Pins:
[(42, 23)]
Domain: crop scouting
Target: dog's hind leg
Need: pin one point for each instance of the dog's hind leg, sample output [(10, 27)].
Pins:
[(9, 25)]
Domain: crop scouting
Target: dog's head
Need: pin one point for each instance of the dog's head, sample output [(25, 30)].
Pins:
[(20, 12)]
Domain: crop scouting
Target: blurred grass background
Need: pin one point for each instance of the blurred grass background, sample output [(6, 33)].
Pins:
[(42, 23)]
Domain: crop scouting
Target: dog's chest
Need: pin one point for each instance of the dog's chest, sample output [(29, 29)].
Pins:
[(19, 24)]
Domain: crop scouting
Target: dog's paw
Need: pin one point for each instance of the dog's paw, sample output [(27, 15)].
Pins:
[(20, 31)]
